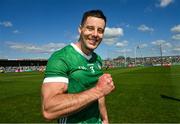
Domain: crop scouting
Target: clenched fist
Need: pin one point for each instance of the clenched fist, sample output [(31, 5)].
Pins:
[(105, 84)]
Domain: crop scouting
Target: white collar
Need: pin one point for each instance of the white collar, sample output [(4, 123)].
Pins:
[(79, 51)]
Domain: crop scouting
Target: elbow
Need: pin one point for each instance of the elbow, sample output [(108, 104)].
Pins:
[(46, 113), (48, 116)]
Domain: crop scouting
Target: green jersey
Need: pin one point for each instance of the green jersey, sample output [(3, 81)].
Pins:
[(81, 72)]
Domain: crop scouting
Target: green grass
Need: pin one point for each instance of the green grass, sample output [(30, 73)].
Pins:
[(20, 97), (137, 95), (135, 99)]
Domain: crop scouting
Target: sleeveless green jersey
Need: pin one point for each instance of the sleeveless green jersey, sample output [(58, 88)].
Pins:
[(81, 72)]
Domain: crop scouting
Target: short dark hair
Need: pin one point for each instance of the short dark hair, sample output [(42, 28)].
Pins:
[(93, 13)]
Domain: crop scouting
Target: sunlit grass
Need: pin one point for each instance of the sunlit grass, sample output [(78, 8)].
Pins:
[(135, 99)]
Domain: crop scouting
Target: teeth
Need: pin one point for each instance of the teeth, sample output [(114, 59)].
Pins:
[(94, 39)]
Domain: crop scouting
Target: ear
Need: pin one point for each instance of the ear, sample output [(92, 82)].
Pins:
[(79, 29)]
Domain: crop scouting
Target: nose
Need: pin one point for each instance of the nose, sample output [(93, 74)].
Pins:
[(95, 33)]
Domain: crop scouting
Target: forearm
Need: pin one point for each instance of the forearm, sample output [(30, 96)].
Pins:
[(103, 110), (66, 104)]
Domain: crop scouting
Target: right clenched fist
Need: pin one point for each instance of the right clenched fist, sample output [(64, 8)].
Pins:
[(105, 84)]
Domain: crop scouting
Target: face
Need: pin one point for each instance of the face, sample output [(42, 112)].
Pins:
[(91, 33)]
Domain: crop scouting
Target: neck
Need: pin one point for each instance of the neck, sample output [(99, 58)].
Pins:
[(83, 48)]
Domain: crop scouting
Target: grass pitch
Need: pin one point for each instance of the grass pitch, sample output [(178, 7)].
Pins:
[(137, 97)]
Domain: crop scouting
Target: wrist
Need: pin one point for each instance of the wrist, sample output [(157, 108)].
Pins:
[(98, 92)]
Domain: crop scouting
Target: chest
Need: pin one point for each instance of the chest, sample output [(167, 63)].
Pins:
[(83, 75)]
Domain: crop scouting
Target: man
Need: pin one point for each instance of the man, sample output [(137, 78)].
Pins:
[(75, 87)]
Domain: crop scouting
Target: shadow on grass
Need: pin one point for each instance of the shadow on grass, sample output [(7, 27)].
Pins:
[(169, 97)]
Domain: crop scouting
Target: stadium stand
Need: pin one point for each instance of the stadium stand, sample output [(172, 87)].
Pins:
[(23, 65), (40, 64), (141, 61)]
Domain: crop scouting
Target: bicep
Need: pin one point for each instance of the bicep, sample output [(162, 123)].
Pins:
[(51, 89), (56, 78), (49, 92)]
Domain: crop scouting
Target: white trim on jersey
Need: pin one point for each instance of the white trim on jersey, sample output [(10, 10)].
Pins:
[(79, 51), (56, 80), (63, 120)]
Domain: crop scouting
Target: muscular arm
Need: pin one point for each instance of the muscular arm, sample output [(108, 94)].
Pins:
[(103, 110), (57, 103)]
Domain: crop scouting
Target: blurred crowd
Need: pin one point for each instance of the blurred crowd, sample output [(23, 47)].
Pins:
[(142, 61), (109, 63), (21, 68)]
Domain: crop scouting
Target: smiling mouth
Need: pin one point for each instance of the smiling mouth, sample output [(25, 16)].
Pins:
[(93, 39), (93, 42)]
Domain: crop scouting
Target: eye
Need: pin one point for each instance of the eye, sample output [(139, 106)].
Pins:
[(100, 30), (90, 28)]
